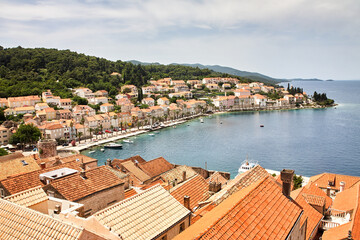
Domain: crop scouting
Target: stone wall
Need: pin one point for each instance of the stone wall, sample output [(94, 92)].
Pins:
[(47, 148)]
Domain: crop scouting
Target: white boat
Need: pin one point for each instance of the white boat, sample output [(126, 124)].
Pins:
[(201, 120), (102, 150), (92, 151), (151, 134), (128, 141), (247, 165), (113, 145)]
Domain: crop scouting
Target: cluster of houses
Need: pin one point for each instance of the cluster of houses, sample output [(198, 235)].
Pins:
[(46, 196), (61, 119)]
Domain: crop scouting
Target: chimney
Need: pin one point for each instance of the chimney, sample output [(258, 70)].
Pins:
[(187, 202), (82, 164), (328, 191), (42, 165), (108, 162), (57, 209), (342, 186), (184, 175), (136, 163), (82, 174), (286, 178)]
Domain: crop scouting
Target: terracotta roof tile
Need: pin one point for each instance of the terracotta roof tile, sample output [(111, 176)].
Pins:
[(259, 211), (336, 233), (17, 164), (28, 197), (18, 222), (143, 216), (218, 178), (138, 173), (158, 181), (196, 188), (29, 180), (130, 193), (356, 218), (312, 189), (311, 214), (314, 200), (156, 166), (177, 173), (74, 187), (322, 180), (346, 200)]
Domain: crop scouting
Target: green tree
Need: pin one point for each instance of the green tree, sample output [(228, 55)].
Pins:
[(298, 180), (3, 152), (26, 134)]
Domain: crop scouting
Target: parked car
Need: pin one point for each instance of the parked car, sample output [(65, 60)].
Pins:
[(108, 131)]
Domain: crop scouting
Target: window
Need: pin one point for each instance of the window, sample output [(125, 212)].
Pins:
[(2, 192), (182, 227)]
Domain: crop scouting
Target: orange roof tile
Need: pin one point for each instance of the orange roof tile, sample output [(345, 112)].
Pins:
[(322, 180), (336, 233), (259, 211), (130, 192), (16, 164), (196, 188), (218, 178), (29, 180), (28, 197), (156, 166), (74, 187), (311, 214), (147, 186), (346, 200)]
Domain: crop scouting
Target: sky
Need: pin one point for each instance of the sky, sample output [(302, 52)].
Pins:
[(281, 39)]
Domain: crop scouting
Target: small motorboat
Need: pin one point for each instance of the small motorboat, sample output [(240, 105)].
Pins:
[(201, 120), (128, 141), (113, 145), (92, 151), (221, 122), (261, 125), (102, 150), (151, 134)]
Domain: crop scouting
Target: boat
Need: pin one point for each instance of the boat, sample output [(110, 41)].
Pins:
[(247, 165), (113, 145), (128, 141), (201, 120), (92, 151), (151, 134), (102, 150), (156, 132), (261, 125), (221, 122)]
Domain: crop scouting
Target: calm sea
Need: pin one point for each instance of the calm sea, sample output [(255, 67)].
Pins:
[(310, 141)]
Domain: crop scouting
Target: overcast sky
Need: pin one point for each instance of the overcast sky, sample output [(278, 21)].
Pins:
[(282, 39)]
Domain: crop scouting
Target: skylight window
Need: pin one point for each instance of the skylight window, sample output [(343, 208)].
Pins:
[(24, 162)]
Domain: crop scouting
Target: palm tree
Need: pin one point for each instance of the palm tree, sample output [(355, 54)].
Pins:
[(79, 134), (90, 131)]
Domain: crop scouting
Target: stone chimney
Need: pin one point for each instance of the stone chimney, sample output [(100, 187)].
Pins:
[(328, 191), (342, 186), (136, 163), (57, 209), (187, 202), (82, 164), (42, 165), (184, 176), (83, 174), (286, 178), (108, 162)]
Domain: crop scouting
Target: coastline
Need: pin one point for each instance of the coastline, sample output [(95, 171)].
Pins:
[(134, 131)]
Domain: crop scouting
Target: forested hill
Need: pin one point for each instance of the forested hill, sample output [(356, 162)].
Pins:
[(30, 71)]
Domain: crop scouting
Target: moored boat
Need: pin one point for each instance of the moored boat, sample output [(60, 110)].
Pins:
[(247, 165), (92, 151), (113, 145), (128, 141)]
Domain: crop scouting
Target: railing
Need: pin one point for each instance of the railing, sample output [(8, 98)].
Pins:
[(326, 225)]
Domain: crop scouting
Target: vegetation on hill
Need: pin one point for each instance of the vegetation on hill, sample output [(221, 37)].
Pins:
[(321, 99), (26, 71)]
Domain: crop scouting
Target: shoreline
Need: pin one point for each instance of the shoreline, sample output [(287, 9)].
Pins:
[(134, 132)]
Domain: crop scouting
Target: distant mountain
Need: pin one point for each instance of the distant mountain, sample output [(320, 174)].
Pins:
[(302, 79)]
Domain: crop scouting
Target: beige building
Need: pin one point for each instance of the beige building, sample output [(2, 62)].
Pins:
[(4, 136), (15, 102)]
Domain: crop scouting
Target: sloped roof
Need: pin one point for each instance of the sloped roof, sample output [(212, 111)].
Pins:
[(74, 187), (18, 222), (311, 214), (138, 173), (314, 200), (28, 197), (312, 189), (322, 180), (346, 200), (129, 193), (177, 173), (143, 216), (156, 166), (218, 178), (17, 164), (239, 182), (336, 233), (196, 188), (29, 180), (259, 211)]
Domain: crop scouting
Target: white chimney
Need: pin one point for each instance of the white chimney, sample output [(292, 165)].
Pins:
[(342, 186)]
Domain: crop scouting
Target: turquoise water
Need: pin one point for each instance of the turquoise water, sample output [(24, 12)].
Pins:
[(311, 141)]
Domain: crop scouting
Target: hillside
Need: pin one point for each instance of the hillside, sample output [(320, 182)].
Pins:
[(25, 71)]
